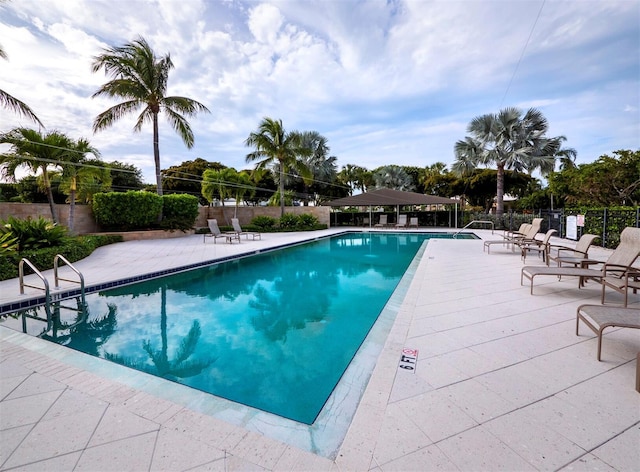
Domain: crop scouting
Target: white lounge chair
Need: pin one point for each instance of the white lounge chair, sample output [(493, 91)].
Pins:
[(239, 231), (382, 222), (402, 222), (216, 233)]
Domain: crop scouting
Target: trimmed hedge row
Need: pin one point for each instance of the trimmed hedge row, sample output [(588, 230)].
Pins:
[(135, 210)]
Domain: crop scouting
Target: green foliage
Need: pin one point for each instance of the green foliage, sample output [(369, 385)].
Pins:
[(264, 223), (8, 243), (288, 221), (73, 249), (306, 220), (33, 234), (612, 219), (127, 211), (179, 211), (125, 177), (186, 177)]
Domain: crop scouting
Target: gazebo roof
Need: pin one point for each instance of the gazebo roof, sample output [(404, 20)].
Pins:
[(386, 196)]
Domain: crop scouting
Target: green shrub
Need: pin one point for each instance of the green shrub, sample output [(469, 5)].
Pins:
[(264, 223), (179, 211), (127, 211), (289, 221), (34, 234), (8, 243), (73, 250), (307, 221)]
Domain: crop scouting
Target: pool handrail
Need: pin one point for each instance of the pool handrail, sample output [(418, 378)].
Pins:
[(472, 222)]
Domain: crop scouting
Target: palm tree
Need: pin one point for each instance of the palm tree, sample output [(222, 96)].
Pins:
[(12, 103), (140, 78), (274, 145), (321, 166), (36, 151), (510, 141), (226, 183), (393, 177), (77, 170)]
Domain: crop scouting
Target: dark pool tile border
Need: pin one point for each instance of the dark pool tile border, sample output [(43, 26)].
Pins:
[(63, 295)]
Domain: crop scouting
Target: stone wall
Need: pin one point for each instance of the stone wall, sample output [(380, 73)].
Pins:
[(85, 223)]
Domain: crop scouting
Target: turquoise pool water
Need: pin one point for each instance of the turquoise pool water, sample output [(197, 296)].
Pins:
[(274, 331)]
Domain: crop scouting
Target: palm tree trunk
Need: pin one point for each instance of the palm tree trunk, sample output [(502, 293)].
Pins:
[(281, 188), (500, 192), (47, 185), (156, 153), (72, 209)]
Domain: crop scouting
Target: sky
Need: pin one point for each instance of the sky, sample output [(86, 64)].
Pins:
[(386, 82)]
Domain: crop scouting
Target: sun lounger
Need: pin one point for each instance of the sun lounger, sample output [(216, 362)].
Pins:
[(630, 281), (402, 222), (239, 231), (536, 245), (615, 267), (382, 222), (532, 230), (571, 255), (600, 317), (216, 233), (413, 222)]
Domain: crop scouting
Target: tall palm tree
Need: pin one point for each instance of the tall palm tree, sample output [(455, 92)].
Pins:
[(38, 152), (140, 78), (274, 145), (12, 103), (510, 141)]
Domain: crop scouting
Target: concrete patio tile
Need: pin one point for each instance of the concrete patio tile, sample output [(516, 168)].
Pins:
[(398, 436), (532, 440), (438, 372), (11, 368), (623, 451), (513, 386), (470, 363), (35, 384), (56, 437), (478, 449), (294, 459), (7, 386), (237, 464), (477, 401), (589, 463), (63, 463), (133, 454), (117, 423), (431, 345), (73, 402), (436, 416), (175, 451), (428, 458), (25, 410), (579, 425), (10, 439), (259, 449), (408, 384)]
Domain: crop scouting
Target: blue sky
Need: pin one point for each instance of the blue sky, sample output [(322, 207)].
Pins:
[(393, 82)]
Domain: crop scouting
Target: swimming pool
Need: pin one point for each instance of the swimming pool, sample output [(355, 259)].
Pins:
[(241, 328)]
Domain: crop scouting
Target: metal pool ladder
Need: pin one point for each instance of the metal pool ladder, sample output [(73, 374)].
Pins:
[(46, 288), (486, 222)]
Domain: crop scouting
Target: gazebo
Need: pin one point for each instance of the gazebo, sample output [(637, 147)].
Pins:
[(390, 197)]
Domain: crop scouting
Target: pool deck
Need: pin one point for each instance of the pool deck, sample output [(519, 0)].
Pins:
[(502, 381)]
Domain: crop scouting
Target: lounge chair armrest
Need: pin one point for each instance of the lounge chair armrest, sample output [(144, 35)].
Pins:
[(615, 269), (570, 249)]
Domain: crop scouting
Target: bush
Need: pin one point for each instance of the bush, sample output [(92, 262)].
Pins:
[(33, 234), (307, 221), (289, 221), (73, 250), (264, 223), (179, 211), (127, 211)]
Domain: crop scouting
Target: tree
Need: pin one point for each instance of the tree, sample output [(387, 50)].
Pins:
[(274, 145), (322, 167), (187, 177), (226, 183), (12, 103), (36, 151), (125, 177), (140, 78), (355, 177), (510, 141), (393, 177), (77, 171)]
